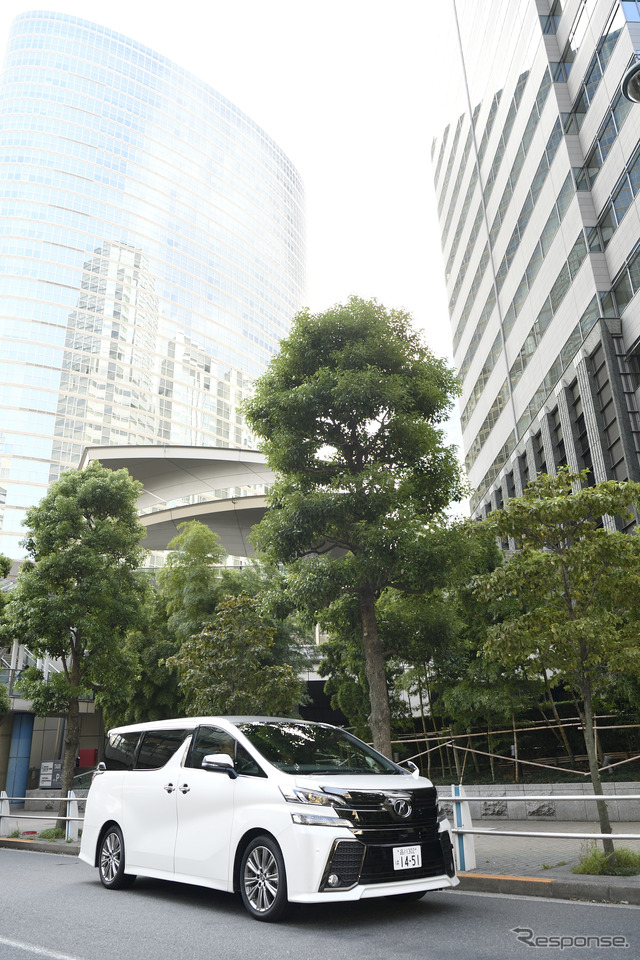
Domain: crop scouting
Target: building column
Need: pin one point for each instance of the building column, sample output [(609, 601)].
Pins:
[(569, 433), (593, 420), (615, 358), (594, 426), (544, 421), (518, 479), (533, 459)]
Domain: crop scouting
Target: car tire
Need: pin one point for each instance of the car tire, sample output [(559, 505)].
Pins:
[(111, 860), (263, 880)]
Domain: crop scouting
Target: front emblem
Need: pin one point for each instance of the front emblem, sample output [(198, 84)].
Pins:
[(402, 808)]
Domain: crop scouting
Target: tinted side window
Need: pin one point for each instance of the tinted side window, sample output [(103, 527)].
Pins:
[(213, 740), (210, 740), (119, 751), (157, 747), (246, 765)]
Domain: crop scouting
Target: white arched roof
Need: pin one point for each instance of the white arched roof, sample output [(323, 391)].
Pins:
[(170, 473)]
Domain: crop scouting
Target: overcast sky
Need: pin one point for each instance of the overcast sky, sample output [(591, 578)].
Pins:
[(343, 86)]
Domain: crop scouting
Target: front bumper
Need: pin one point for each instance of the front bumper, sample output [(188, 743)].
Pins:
[(363, 869)]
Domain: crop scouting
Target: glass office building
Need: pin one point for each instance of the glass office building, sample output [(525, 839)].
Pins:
[(537, 178), (151, 255)]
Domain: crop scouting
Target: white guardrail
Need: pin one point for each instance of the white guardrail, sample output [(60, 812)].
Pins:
[(462, 827), (464, 831), (73, 818)]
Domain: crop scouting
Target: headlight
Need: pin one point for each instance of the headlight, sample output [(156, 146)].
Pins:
[(302, 795), (317, 820)]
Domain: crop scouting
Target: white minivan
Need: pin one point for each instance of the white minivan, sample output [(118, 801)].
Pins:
[(276, 809)]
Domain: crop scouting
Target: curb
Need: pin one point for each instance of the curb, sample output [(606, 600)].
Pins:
[(41, 846), (601, 891)]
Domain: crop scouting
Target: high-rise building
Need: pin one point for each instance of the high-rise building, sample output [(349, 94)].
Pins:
[(537, 178), (151, 255)]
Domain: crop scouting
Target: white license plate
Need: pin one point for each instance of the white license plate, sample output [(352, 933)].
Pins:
[(407, 858)]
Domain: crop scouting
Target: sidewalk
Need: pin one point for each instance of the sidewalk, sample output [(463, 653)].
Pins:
[(29, 826), (542, 867), (526, 866)]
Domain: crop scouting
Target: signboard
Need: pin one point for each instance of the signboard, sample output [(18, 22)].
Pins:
[(51, 775)]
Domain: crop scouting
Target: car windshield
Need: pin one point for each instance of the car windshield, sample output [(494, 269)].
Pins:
[(314, 749)]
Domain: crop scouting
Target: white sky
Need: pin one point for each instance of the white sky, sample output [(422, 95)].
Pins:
[(343, 86)]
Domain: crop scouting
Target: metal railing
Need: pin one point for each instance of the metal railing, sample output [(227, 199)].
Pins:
[(72, 818), (465, 831)]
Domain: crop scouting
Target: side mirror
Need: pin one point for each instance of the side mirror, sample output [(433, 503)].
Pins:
[(411, 767), (220, 763)]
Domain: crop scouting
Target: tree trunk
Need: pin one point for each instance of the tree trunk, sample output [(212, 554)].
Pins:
[(71, 743), (589, 741), (380, 716)]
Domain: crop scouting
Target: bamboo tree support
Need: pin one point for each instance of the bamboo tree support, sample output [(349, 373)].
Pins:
[(424, 728), (563, 732), (455, 756), (491, 760)]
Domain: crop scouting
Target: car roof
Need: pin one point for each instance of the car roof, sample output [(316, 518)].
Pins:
[(190, 723)]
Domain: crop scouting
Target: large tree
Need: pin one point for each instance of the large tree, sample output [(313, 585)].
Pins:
[(226, 668), (349, 414), (577, 588), (78, 592)]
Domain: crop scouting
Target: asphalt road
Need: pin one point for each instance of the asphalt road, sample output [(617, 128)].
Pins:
[(54, 908)]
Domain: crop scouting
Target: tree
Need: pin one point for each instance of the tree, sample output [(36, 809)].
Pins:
[(578, 591), (225, 668), (77, 593), (5, 701), (349, 415), (183, 598), (189, 582)]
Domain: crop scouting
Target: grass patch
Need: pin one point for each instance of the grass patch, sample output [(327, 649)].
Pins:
[(15, 835), (594, 862), (53, 833)]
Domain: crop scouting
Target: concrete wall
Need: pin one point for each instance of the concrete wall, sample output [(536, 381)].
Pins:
[(576, 809)]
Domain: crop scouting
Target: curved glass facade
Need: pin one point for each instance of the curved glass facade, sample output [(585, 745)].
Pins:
[(151, 255)]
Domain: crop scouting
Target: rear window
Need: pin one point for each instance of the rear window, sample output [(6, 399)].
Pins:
[(124, 751), (120, 750), (158, 746)]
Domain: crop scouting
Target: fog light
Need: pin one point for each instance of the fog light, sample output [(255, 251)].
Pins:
[(333, 880)]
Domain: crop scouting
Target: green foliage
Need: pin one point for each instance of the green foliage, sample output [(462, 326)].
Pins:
[(225, 668), (189, 582), (5, 565), (49, 697), (349, 415), (595, 862), (575, 583), (154, 693), (5, 701), (78, 593), (576, 589), (52, 833)]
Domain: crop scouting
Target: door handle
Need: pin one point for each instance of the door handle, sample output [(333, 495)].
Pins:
[(169, 787), (185, 788)]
